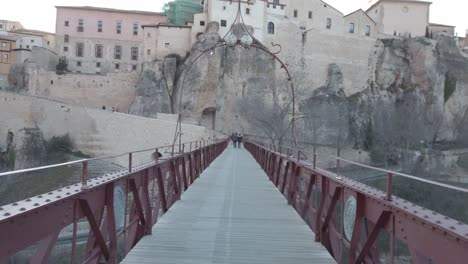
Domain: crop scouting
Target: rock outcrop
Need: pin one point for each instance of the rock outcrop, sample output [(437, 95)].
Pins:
[(417, 91), (154, 89)]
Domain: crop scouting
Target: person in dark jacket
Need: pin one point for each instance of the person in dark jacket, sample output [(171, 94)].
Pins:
[(239, 140), (234, 139)]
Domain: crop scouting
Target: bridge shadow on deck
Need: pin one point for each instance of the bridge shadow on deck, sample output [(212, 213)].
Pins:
[(231, 214)]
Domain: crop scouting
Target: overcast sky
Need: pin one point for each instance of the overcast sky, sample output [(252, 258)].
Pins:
[(40, 14)]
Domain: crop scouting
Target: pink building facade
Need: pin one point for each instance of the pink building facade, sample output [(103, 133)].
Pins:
[(102, 40)]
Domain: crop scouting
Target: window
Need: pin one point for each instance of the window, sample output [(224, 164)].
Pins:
[(4, 44), (48, 42), (98, 65), (223, 23), (1, 26), (27, 46), (32, 40), (78, 63), (310, 14), (135, 29), (271, 28), (148, 52), (276, 2), (79, 49), (66, 39), (99, 26), (67, 23), (351, 28), (295, 13), (21, 46), (98, 49), (118, 28), (134, 67), (367, 30), (80, 25), (117, 66), (65, 49), (134, 53), (329, 23), (118, 52), (202, 23), (166, 45), (5, 58), (247, 11)]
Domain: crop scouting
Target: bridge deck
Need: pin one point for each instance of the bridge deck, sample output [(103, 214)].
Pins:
[(231, 214)]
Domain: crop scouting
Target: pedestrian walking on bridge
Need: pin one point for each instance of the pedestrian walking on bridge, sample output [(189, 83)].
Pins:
[(234, 139), (239, 141)]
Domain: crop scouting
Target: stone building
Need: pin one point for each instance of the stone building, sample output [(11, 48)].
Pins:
[(360, 23), (7, 58), (450, 30), (400, 17), (164, 39), (41, 38), (29, 40), (102, 40), (465, 46), (267, 18), (6, 25)]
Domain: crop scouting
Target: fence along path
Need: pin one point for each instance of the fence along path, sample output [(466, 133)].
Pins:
[(231, 214)]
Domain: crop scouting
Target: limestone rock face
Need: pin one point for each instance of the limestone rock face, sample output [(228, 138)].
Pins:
[(215, 80), (30, 148), (154, 89), (416, 90), (417, 93)]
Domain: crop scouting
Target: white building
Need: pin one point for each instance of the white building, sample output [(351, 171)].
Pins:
[(6, 25), (400, 17)]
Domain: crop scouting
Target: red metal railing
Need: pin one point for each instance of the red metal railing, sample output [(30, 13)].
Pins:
[(333, 205), (36, 224)]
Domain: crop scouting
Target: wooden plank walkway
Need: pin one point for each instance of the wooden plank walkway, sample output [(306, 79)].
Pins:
[(231, 214)]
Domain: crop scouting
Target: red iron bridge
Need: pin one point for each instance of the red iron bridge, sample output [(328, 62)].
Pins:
[(212, 203)]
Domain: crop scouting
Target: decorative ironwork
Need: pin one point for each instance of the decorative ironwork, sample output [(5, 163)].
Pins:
[(247, 40)]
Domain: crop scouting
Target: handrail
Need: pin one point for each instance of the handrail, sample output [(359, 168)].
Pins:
[(395, 173), (8, 173)]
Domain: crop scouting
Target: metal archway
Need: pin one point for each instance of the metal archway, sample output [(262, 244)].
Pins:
[(246, 41)]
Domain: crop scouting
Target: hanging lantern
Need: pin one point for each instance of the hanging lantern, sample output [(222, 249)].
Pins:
[(231, 40), (247, 41)]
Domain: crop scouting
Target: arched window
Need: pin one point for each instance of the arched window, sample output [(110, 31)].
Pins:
[(271, 28)]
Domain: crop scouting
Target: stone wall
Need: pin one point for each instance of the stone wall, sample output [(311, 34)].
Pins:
[(113, 90), (94, 132)]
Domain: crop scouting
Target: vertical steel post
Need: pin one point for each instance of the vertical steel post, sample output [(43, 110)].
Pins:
[(130, 162), (84, 174), (315, 160), (389, 187)]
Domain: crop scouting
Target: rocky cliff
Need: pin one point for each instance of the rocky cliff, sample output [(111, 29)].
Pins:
[(416, 92)]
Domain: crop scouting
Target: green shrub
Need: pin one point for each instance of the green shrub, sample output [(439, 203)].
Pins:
[(450, 86)]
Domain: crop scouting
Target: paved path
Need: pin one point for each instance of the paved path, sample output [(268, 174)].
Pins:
[(231, 214)]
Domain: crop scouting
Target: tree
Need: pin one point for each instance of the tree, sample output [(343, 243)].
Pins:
[(394, 33), (62, 65), (269, 119)]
